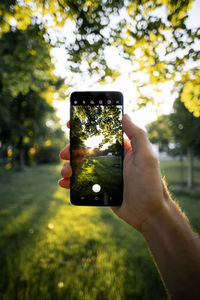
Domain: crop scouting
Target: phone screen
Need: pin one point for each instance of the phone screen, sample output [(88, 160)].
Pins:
[(96, 148)]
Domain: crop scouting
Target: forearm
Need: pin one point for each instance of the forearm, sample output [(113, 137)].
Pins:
[(176, 251)]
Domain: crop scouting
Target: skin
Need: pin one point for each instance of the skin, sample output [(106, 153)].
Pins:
[(148, 207)]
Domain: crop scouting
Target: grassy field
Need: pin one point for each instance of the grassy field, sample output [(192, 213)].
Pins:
[(177, 172), (52, 250), (105, 171)]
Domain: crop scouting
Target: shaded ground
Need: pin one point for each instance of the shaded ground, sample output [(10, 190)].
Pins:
[(52, 250), (105, 171)]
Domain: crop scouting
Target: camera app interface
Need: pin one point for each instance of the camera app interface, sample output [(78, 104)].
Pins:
[(96, 149)]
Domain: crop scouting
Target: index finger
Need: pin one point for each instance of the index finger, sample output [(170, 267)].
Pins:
[(65, 153)]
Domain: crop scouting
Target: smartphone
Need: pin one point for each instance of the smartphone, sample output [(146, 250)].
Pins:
[(96, 148)]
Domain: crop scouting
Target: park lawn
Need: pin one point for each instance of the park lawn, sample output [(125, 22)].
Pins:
[(176, 172), (105, 171), (50, 249)]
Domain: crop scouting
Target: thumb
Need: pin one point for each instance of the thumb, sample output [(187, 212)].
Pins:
[(137, 136)]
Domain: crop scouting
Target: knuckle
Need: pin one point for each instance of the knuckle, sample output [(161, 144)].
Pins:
[(151, 160), (66, 170), (154, 159), (142, 132), (63, 172)]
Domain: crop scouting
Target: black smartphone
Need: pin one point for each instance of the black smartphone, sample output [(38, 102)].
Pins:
[(96, 148)]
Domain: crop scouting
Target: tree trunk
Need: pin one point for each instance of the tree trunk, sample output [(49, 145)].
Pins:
[(21, 153), (26, 156), (181, 168), (190, 154)]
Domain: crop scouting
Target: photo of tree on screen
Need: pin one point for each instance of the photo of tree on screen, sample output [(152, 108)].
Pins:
[(96, 141)]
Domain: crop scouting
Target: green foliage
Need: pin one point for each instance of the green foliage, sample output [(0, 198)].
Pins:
[(26, 126), (77, 133), (26, 82), (45, 155), (25, 62), (190, 95), (141, 30), (159, 46), (115, 148), (179, 127), (48, 146), (96, 120), (159, 132), (26, 117), (184, 126)]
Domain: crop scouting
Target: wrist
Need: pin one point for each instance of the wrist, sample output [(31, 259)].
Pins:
[(162, 214)]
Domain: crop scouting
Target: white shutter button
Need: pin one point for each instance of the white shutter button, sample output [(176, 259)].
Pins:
[(96, 188)]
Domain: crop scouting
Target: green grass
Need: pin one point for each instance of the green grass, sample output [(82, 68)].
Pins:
[(50, 249), (105, 171), (177, 172)]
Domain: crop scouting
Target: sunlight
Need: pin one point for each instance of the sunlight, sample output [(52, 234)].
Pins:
[(87, 170), (94, 141), (163, 102), (50, 226), (89, 151), (59, 193), (60, 284)]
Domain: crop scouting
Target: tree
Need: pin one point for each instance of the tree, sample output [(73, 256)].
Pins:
[(161, 46), (25, 76), (180, 128), (26, 124), (115, 149), (160, 133), (25, 62), (190, 95), (90, 121), (46, 146), (185, 129)]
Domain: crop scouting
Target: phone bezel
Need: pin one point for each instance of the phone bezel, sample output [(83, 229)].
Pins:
[(87, 97)]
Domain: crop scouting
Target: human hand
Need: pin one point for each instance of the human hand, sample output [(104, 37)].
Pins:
[(66, 171), (144, 191)]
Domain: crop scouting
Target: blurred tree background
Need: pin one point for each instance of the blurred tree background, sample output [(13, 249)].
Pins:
[(159, 48), (74, 261), (177, 135), (29, 127)]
